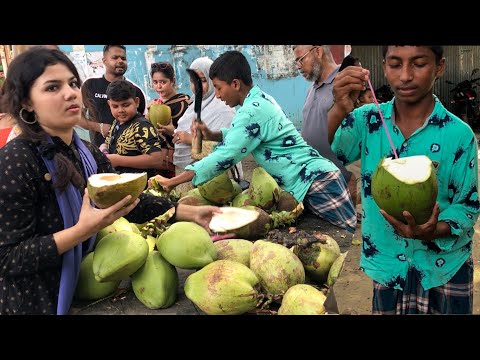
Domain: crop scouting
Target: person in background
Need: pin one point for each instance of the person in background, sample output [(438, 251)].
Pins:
[(416, 268), (99, 117), (261, 128), (316, 64), (132, 143), (47, 222), (215, 114), (164, 83)]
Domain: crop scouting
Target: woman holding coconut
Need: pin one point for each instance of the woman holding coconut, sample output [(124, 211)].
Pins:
[(47, 221)]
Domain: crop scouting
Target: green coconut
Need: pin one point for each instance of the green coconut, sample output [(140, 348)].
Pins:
[(223, 287), (276, 267), (118, 255), (155, 283), (219, 190), (118, 225), (318, 258), (234, 249), (107, 189), (303, 299), (186, 245), (242, 199), (408, 183), (336, 269), (286, 202), (151, 243), (194, 198), (264, 190), (159, 114), (237, 189), (232, 218), (89, 288)]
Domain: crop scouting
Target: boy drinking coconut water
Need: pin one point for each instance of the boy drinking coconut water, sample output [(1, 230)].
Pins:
[(416, 268)]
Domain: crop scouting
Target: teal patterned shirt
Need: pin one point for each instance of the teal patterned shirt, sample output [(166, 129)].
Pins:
[(261, 128), (444, 138)]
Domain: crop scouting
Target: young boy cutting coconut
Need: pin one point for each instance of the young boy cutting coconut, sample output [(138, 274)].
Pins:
[(261, 128), (419, 263)]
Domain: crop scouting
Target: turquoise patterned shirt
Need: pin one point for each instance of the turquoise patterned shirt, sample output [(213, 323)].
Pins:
[(261, 128), (444, 138)]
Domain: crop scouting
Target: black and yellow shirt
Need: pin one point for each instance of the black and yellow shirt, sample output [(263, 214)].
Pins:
[(135, 137)]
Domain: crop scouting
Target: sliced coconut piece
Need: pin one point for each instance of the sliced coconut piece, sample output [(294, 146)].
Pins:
[(409, 170), (232, 218), (109, 188)]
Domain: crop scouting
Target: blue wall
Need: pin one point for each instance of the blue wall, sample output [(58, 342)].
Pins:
[(272, 69)]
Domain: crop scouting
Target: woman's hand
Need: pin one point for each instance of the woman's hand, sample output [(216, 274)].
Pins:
[(180, 137), (411, 230), (92, 219)]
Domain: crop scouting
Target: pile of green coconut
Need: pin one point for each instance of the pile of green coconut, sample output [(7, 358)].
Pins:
[(260, 269)]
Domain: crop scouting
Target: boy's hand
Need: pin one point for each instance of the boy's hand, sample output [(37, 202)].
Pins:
[(114, 159), (197, 126), (162, 181), (411, 230), (347, 86)]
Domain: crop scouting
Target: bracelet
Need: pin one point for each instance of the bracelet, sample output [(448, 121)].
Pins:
[(101, 129)]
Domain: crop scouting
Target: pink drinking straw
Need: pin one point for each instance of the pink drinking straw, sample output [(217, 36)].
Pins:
[(381, 116)]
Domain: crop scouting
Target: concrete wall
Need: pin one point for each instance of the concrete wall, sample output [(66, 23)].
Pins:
[(272, 68)]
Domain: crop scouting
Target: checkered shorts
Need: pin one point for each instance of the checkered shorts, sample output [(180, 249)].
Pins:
[(329, 199), (455, 297)]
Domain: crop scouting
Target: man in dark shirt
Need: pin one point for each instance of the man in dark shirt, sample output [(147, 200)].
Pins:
[(94, 90)]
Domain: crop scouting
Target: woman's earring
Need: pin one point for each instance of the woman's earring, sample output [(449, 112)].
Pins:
[(23, 119)]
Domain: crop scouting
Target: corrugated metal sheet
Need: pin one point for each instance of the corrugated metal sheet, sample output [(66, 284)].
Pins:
[(460, 61)]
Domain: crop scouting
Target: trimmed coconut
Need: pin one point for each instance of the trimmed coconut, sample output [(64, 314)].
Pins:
[(107, 189), (232, 218), (303, 299), (89, 288), (155, 283), (223, 287), (159, 114), (406, 184)]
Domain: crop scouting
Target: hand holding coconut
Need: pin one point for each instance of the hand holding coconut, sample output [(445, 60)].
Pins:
[(91, 220), (412, 230)]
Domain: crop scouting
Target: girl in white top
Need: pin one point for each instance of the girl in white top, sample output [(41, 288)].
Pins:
[(215, 113)]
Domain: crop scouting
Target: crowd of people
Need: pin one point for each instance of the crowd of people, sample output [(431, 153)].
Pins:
[(48, 223)]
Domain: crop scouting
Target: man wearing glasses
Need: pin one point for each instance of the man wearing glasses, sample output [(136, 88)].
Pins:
[(316, 63), (94, 91)]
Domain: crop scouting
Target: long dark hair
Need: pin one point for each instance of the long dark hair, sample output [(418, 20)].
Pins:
[(22, 73)]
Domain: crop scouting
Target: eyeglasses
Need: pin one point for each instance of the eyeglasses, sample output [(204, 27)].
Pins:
[(161, 66), (299, 60)]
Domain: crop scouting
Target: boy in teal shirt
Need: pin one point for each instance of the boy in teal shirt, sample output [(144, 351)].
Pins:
[(261, 128), (416, 268)]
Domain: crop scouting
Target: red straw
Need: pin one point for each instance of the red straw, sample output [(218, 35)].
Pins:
[(383, 120)]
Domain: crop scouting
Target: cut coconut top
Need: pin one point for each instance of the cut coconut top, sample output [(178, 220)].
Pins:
[(105, 179), (232, 218), (409, 170)]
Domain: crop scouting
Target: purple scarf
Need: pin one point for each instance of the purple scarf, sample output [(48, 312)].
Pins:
[(70, 204)]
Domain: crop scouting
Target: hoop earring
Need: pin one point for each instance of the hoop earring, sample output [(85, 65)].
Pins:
[(25, 121)]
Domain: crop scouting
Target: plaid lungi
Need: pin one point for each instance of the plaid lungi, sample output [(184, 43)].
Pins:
[(455, 297), (329, 199)]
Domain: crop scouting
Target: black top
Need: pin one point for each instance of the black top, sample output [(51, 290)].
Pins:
[(133, 138), (29, 262), (96, 90), (178, 105)]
